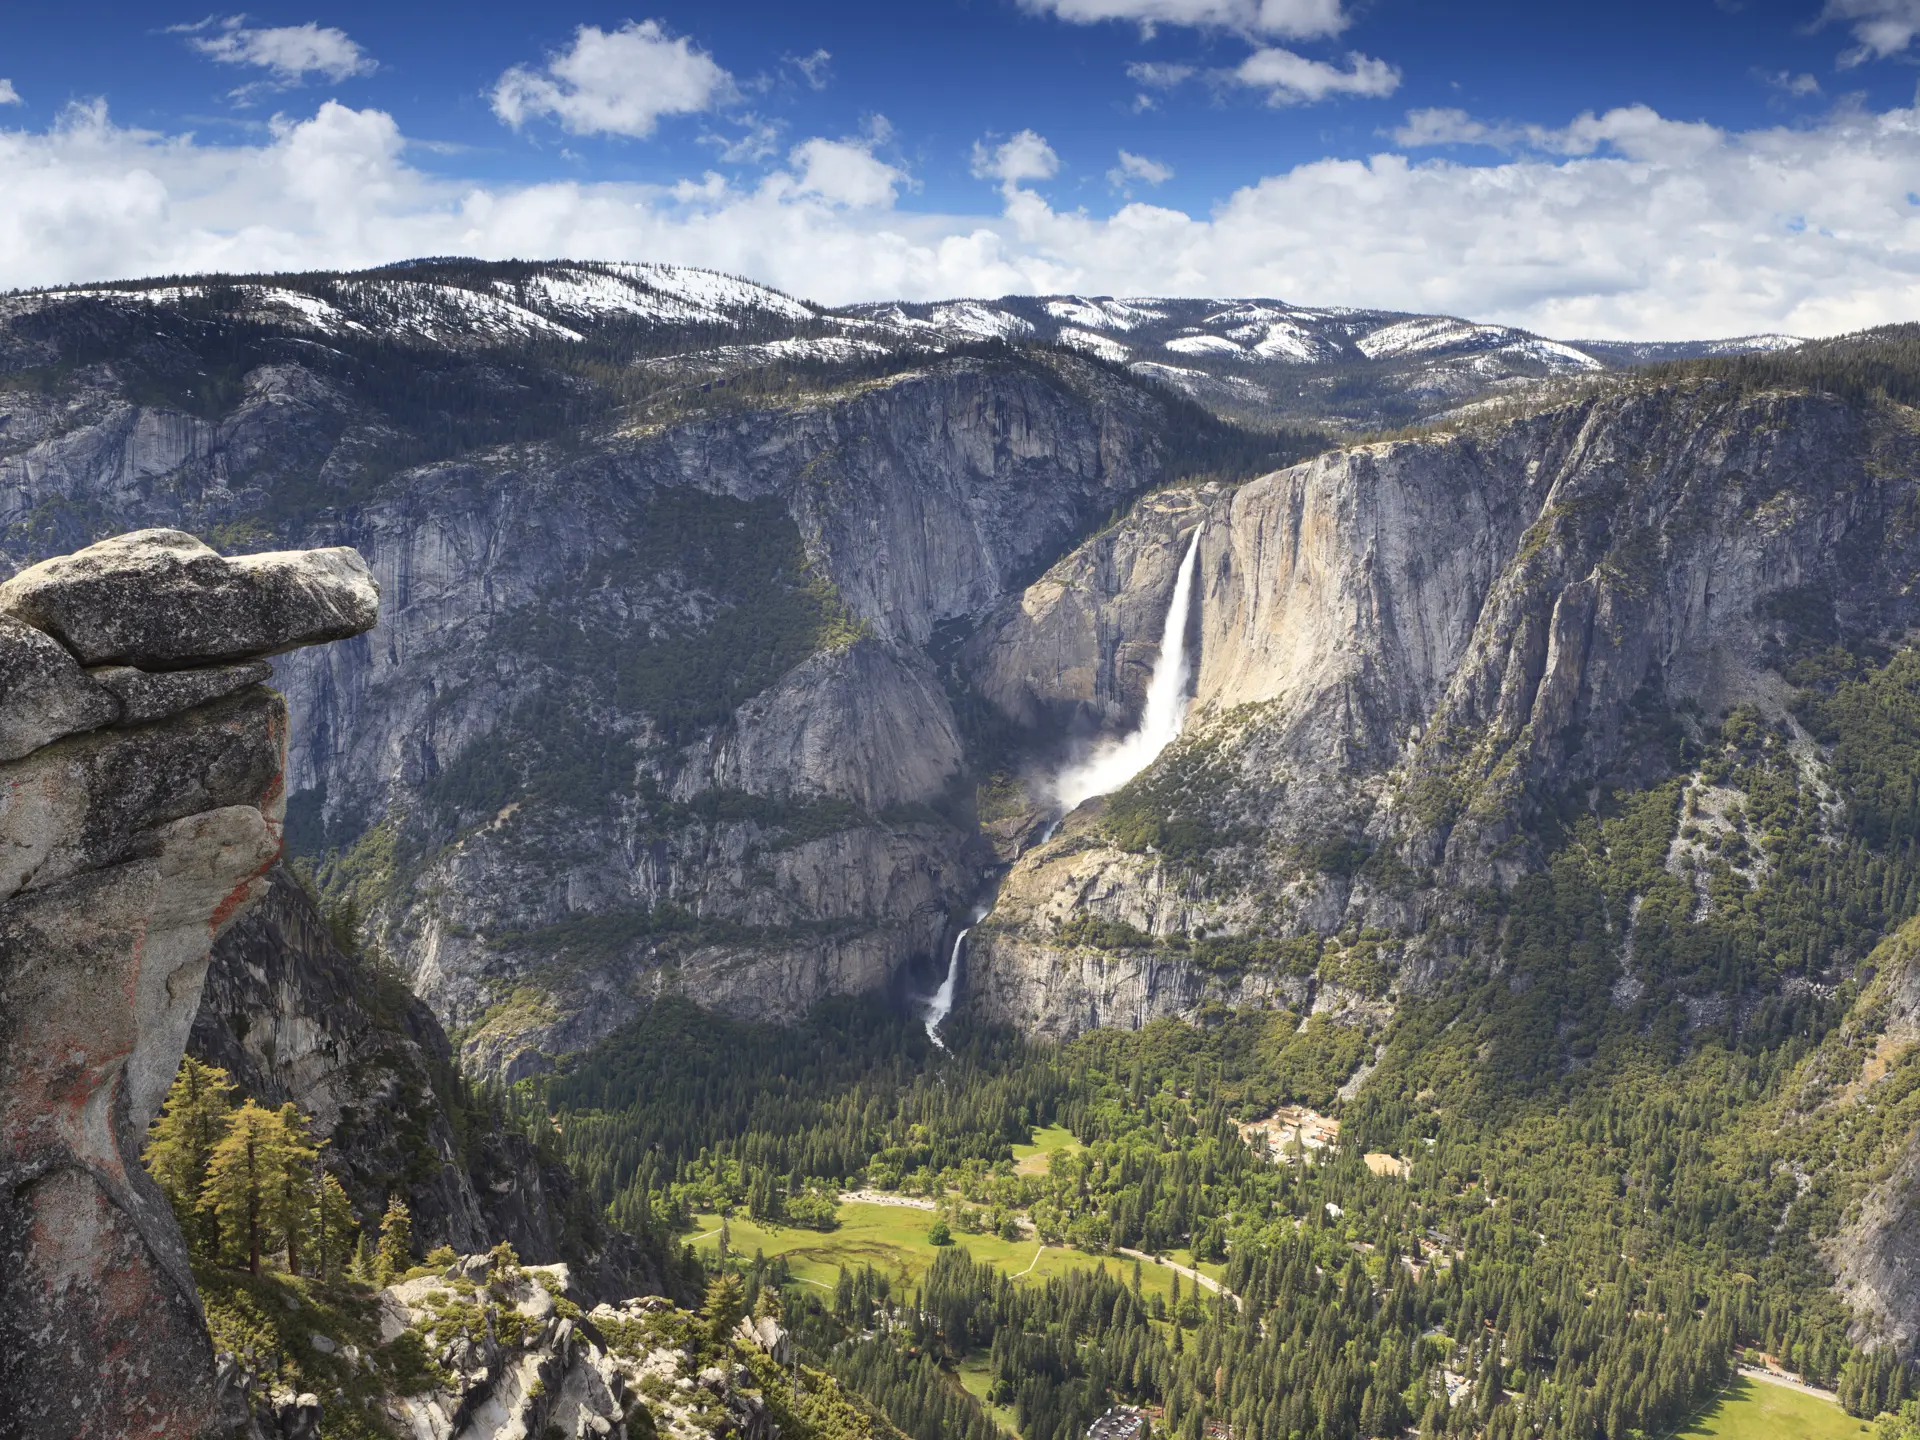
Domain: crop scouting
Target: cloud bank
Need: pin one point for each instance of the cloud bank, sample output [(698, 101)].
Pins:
[(1619, 224)]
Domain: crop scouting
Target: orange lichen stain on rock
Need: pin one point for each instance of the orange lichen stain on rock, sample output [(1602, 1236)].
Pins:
[(275, 791), (241, 893)]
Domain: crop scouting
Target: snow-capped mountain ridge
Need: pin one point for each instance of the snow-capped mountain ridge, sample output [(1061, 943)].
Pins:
[(1255, 358)]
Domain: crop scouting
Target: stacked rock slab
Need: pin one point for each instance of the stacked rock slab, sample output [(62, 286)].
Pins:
[(141, 799)]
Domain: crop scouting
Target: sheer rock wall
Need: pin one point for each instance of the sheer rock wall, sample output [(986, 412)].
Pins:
[(139, 828), (1404, 646)]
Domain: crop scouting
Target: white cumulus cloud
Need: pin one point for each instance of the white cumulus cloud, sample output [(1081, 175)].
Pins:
[(1291, 79), (845, 172), (1138, 170), (290, 52), (1880, 27), (616, 82), (9, 95), (1289, 19), (1621, 224), (1025, 157), (1450, 127)]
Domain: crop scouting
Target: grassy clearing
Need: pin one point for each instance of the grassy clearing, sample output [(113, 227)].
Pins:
[(1212, 1269), (1047, 1142), (893, 1239), (1755, 1410), (976, 1378)]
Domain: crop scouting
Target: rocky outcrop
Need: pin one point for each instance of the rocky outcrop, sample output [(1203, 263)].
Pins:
[(292, 1018), (127, 851), (538, 1365), (864, 722), (162, 600)]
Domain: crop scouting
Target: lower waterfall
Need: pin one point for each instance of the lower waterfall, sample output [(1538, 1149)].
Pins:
[(941, 1005)]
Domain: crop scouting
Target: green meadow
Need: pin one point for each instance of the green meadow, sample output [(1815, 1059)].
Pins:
[(976, 1378), (893, 1239), (1756, 1410), (1048, 1141)]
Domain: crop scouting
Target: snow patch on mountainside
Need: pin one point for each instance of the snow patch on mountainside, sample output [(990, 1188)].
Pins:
[(266, 302), (735, 359), (1092, 344), (720, 296), (1286, 340), (1253, 317), (309, 308), (1104, 314), (1753, 344), (1203, 345), (434, 309), (957, 322), (1202, 384), (593, 295), (1427, 333), (1554, 355), (973, 319)]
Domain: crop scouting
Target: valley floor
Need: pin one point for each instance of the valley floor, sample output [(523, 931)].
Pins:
[(1754, 1409), (892, 1238)]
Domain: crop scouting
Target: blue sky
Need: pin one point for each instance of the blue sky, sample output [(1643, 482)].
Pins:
[(1628, 169)]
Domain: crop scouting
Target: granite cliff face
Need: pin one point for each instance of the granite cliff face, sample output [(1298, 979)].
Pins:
[(1402, 648), (730, 658), (292, 1017), (686, 682), (594, 618), (136, 832), (656, 702)]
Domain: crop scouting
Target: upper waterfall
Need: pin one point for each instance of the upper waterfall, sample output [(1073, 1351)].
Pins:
[(1112, 763)]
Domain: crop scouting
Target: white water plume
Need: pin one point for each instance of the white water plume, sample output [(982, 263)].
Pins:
[(1113, 763), (941, 1005)]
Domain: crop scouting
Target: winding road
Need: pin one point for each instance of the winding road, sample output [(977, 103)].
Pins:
[(1194, 1275)]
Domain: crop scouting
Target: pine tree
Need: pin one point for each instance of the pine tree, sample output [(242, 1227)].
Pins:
[(724, 1306), (334, 1228), (242, 1173), (193, 1119), (293, 1191), (396, 1242)]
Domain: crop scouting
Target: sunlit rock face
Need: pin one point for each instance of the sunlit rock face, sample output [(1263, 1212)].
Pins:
[(1402, 648), (139, 828)]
